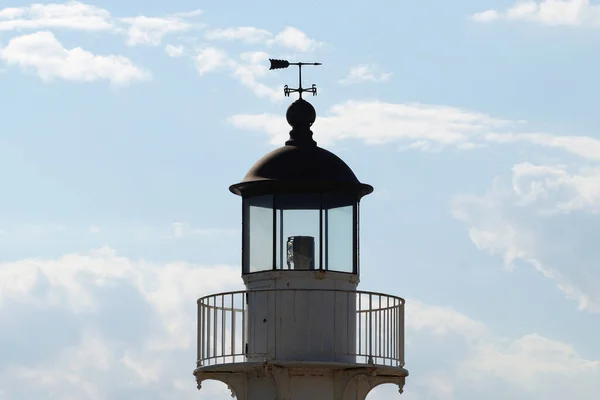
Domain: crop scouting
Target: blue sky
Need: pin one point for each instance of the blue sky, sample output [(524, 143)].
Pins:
[(125, 122)]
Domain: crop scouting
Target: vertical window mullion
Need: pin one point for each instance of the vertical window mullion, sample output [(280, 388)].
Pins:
[(321, 249), (326, 250), (355, 239), (274, 236)]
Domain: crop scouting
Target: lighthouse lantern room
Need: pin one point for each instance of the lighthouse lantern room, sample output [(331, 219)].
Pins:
[(301, 329)]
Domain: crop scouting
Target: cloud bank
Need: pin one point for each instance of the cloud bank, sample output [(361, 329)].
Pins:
[(117, 328)]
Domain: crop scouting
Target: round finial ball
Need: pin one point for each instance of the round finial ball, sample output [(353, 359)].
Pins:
[(301, 113)]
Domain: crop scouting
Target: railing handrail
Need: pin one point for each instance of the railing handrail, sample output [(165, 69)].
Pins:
[(379, 326), (391, 296), (221, 308)]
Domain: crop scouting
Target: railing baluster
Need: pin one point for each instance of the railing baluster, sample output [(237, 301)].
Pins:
[(375, 331), (399, 341), (383, 330), (399, 324), (379, 332), (375, 335), (244, 323), (233, 316), (223, 320), (386, 337), (370, 328), (199, 337), (207, 338), (395, 327), (215, 329), (388, 355), (401, 333), (359, 298)]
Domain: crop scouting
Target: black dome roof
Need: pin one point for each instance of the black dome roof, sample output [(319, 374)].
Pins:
[(300, 165)]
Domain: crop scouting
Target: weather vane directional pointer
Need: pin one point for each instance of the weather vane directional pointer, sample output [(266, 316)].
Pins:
[(279, 64)]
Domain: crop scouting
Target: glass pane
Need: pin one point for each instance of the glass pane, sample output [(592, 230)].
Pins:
[(280, 260), (298, 226), (260, 234), (339, 233)]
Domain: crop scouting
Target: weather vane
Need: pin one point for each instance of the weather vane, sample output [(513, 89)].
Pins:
[(279, 64)]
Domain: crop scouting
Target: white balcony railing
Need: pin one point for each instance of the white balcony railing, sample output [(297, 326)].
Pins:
[(301, 324)]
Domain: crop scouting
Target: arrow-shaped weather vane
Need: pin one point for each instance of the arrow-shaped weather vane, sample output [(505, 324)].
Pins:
[(279, 64)]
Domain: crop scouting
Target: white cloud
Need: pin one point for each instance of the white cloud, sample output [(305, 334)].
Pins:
[(70, 282), (174, 51), (80, 16), (486, 16), (365, 73), (46, 56), (548, 12), (377, 122), (93, 229), (290, 37), (114, 328), (118, 328), (295, 39), (80, 65), (248, 34), (456, 354), (187, 14), (582, 146), (151, 30), (71, 15), (523, 359), (417, 126), (524, 222), (12, 12), (442, 321), (554, 189), (210, 59), (248, 69)]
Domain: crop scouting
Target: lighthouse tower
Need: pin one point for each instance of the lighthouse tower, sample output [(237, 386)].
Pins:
[(301, 330)]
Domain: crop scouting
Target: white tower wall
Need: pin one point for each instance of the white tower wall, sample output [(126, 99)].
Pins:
[(313, 319)]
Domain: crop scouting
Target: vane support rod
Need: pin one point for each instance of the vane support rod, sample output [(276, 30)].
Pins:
[(280, 64)]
